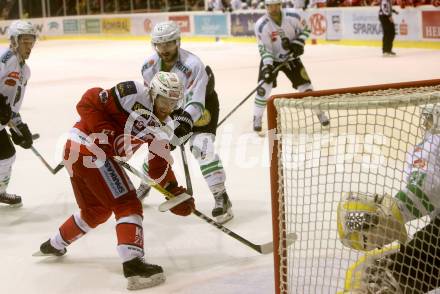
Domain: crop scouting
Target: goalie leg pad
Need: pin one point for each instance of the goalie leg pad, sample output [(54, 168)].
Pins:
[(372, 274)]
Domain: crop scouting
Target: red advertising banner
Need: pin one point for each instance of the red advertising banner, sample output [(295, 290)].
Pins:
[(431, 24), (182, 21)]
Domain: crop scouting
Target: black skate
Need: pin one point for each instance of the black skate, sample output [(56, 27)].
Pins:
[(11, 199), (46, 249), (223, 208), (143, 191), (142, 275)]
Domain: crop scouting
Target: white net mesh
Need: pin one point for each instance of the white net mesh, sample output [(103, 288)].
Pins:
[(364, 150)]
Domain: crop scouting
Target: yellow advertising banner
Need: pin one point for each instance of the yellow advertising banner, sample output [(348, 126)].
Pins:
[(116, 25)]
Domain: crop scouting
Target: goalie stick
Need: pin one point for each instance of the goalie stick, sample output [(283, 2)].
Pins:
[(263, 248)]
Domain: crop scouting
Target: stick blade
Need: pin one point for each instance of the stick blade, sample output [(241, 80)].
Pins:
[(173, 202), (268, 247)]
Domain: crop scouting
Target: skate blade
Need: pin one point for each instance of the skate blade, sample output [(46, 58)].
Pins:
[(224, 218), (17, 205), (41, 254), (138, 282)]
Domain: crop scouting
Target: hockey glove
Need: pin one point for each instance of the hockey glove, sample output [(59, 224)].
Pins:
[(5, 110), (183, 130), (25, 139), (184, 208), (297, 47), (268, 74)]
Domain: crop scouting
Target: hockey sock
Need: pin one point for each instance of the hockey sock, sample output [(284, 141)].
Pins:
[(5, 173), (130, 237), (74, 228)]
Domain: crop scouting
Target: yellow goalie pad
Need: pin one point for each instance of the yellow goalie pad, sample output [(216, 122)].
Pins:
[(359, 274), (369, 221)]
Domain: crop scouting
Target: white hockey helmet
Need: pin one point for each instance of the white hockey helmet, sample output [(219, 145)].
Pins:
[(21, 27), (269, 2), (168, 85), (431, 118), (366, 222), (164, 32)]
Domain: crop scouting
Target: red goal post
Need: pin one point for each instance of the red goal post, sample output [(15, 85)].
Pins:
[(388, 110)]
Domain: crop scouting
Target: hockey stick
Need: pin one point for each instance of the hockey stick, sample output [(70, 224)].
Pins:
[(276, 69), (185, 167), (263, 248), (38, 154), (171, 199)]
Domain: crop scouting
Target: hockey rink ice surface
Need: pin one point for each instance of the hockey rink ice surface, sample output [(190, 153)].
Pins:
[(196, 257)]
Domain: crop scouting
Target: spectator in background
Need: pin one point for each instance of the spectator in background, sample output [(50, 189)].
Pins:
[(219, 5), (236, 5)]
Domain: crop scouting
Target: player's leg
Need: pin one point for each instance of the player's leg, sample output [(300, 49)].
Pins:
[(99, 191), (263, 92), (297, 74), (113, 189), (92, 211), (7, 158), (203, 149), (383, 22)]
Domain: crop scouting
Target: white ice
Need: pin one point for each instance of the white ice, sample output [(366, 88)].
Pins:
[(196, 257)]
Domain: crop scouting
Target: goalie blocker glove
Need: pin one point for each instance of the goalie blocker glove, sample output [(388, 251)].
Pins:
[(183, 130), (25, 139), (268, 74), (5, 110)]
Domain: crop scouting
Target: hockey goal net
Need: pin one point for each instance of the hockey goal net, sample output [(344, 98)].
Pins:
[(362, 150)]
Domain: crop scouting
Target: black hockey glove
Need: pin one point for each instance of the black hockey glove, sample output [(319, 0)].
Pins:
[(297, 47), (5, 110), (25, 140), (268, 74), (183, 130)]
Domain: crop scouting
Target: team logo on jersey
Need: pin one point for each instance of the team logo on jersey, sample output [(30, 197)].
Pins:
[(273, 36), (10, 82), (14, 75)]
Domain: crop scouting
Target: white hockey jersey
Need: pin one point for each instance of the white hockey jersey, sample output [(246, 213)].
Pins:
[(423, 177), (269, 34), (191, 72), (13, 80)]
